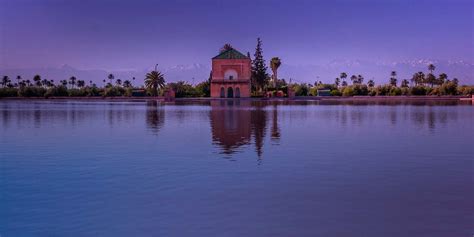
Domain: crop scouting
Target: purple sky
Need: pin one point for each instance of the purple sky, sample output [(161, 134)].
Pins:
[(117, 35)]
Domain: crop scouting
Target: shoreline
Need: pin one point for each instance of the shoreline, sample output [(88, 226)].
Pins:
[(298, 98)]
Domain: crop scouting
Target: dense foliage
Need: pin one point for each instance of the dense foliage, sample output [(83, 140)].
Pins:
[(154, 84), (260, 77)]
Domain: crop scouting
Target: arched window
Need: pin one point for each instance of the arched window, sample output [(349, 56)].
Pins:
[(237, 92), (230, 92), (230, 74), (222, 92)]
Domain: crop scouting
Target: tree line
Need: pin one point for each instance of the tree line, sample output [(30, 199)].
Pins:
[(262, 83)]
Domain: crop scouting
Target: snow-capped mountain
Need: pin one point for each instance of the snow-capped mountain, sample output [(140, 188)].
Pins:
[(197, 72), (378, 71)]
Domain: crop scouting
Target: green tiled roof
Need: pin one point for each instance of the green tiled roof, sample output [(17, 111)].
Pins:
[(230, 54)]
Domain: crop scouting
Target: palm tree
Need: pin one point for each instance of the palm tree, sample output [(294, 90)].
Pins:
[(275, 63), (405, 83), (430, 79), (37, 80), (354, 79), (5, 81), (18, 79), (343, 77), (111, 77), (118, 82), (81, 83), (431, 68), (360, 79), (154, 80), (127, 84), (418, 78), (442, 78), (337, 81), (72, 81), (45, 82), (371, 83), (393, 78), (344, 83)]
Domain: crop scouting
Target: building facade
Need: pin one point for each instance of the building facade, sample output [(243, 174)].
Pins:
[(230, 76)]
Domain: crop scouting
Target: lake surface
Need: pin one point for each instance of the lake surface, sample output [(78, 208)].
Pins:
[(236, 168)]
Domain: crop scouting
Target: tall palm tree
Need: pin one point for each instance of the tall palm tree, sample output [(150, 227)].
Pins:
[(371, 83), (431, 68), (81, 83), (72, 81), (37, 80), (111, 77), (118, 82), (393, 78), (442, 78), (354, 79), (5, 81), (343, 77), (337, 81), (360, 79), (275, 63), (127, 84), (154, 80), (405, 83), (18, 79)]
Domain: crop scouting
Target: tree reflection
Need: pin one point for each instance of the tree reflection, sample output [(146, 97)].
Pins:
[(275, 128), (155, 116)]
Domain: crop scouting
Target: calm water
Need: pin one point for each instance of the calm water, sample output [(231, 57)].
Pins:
[(243, 168)]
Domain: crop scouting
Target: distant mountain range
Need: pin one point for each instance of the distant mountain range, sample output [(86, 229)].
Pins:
[(379, 72)]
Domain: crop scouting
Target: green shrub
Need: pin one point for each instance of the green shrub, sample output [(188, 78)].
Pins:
[(405, 91), (372, 92), (313, 91), (32, 91), (114, 91), (301, 89), (418, 90), (56, 91), (203, 89), (395, 91), (336, 92), (466, 90), (360, 90), (449, 88), (383, 90), (8, 92), (348, 91)]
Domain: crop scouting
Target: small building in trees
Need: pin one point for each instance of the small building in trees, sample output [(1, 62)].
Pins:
[(230, 75)]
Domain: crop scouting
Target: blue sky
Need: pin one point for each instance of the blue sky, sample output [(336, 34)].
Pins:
[(114, 35)]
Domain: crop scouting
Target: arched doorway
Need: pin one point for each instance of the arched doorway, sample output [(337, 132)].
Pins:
[(230, 92), (222, 92), (237, 92)]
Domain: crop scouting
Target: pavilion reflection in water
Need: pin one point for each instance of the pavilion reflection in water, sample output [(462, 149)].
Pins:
[(235, 123)]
